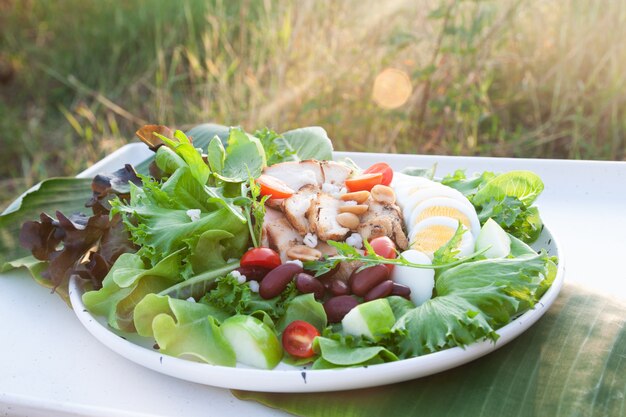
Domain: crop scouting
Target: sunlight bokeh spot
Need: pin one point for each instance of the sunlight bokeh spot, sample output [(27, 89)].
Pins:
[(392, 88)]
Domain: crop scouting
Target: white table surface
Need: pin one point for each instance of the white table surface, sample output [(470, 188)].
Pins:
[(51, 366)]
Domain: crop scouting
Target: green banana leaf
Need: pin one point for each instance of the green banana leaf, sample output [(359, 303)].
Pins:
[(67, 195), (570, 363)]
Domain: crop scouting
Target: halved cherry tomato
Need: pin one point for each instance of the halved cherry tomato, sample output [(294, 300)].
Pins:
[(298, 339), (274, 187), (364, 182), (384, 169), (383, 246), (264, 257)]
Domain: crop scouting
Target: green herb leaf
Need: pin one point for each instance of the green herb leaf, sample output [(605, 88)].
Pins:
[(449, 252)]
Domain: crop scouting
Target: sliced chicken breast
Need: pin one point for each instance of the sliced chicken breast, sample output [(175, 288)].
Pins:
[(297, 174), (322, 217), (383, 220), (278, 233), (335, 173), (296, 207)]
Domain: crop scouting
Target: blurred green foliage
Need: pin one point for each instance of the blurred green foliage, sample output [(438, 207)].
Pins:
[(535, 78)]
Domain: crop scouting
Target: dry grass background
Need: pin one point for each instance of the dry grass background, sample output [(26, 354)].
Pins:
[(533, 78)]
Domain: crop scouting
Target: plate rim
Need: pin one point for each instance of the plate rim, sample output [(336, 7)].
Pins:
[(307, 380)]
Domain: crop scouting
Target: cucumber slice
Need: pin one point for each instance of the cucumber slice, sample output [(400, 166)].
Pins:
[(254, 342), (493, 235), (371, 319)]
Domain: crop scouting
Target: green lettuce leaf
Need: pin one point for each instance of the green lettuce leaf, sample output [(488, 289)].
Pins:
[(128, 281), (183, 329), (514, 217), (191, 155), (467, 186), (310, 143), (159, 220), (524, 185), (277, 149), (233, 297), (473, 300), (337, 353), (245, 157), (306, 308), (441, 322)]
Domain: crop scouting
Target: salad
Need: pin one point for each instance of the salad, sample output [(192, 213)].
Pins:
[(256, 249)]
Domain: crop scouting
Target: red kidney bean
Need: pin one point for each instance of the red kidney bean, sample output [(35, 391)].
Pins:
[(363, 281), (277, 279), (337, 307), (306, 284), (256, 273), (382, 290), (401, 290), (338, 287)]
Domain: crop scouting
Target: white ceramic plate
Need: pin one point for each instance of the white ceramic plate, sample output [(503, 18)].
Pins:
[(290, 379)]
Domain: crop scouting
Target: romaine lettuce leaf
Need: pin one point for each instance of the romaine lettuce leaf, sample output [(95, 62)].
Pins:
[(128, 281)]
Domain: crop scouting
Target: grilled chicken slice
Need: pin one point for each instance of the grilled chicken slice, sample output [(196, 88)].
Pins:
[(278, 233), (334, 172), (297, 174), (322, 216), (296, 207), (383, 220)]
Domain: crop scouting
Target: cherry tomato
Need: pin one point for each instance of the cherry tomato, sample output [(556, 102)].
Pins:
[(384, 169), (274, 187), (383, 246), (263, 257), (298, 339), (364, 182)]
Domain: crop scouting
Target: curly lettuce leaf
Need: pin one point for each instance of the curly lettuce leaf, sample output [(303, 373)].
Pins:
[(513, 216), (277, 149), (233, 297), (474, 299), (165, 218), (183, 329), (442, 322)]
